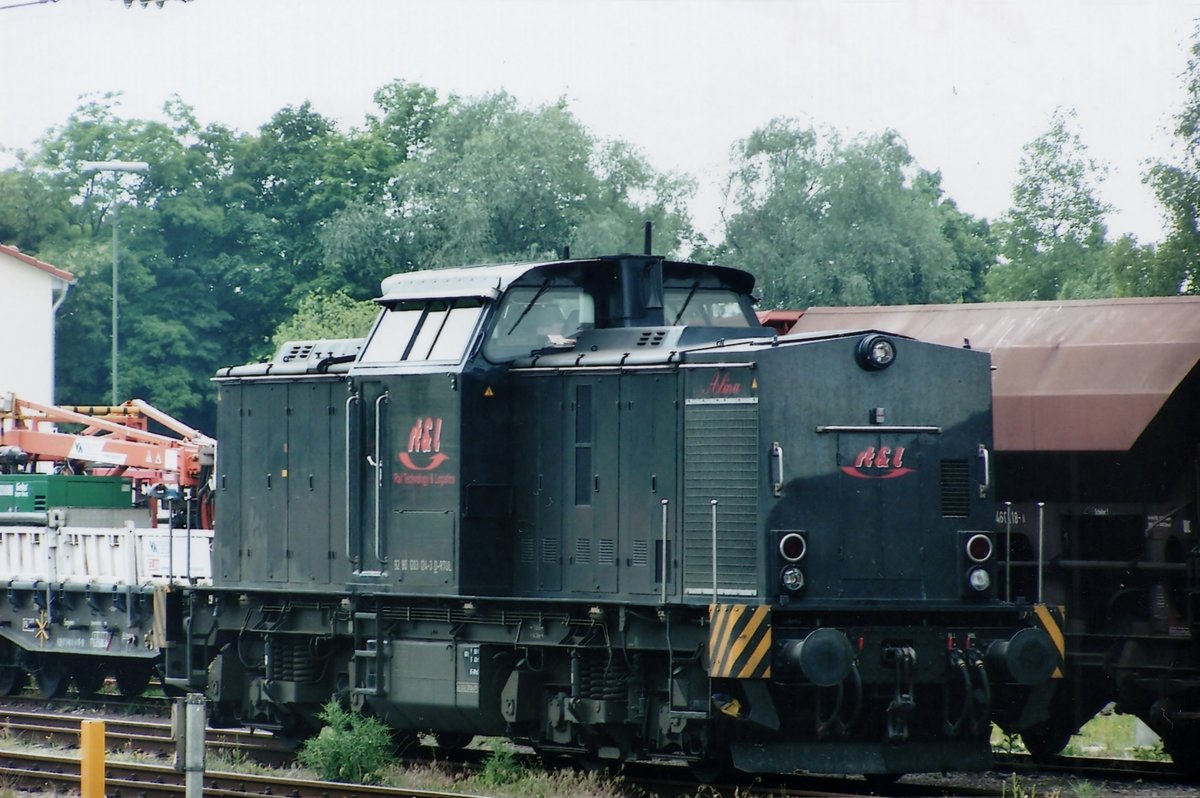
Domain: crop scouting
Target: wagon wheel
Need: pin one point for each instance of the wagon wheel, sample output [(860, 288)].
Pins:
[(89, 678), (1183, 745), (133, 678), (12, 680), (51, 679), (1046, 740)]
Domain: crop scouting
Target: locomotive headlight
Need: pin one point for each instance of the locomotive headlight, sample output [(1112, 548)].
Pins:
[(792, 547), (792, 578), (979, 548), (876, 352), (978, 579)]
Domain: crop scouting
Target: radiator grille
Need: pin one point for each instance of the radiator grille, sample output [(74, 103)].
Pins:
[(956, 489), (721, 462)]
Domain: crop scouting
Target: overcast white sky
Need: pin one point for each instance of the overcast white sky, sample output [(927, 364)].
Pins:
[(966, 83)]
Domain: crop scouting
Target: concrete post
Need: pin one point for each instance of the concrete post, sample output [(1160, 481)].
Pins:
[(197, 722)]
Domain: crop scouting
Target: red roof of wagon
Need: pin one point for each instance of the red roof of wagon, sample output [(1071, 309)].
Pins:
[(1085, 375)]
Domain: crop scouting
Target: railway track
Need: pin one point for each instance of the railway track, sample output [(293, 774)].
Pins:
[(39, 770), (144, 736), (155, 737)]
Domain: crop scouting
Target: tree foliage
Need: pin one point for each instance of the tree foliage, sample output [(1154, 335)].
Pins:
[(231, 235), (1053, 238), (1176, 183), (830, 222)]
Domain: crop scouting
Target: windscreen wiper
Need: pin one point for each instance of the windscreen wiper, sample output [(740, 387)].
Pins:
[(529, 307), (686, 301)]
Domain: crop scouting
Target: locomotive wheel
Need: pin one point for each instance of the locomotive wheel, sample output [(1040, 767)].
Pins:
[(881, 783), (132, 679), (405, 743), (12, 680), (453, 741), (708, 771), (51, 679), (89, 678)]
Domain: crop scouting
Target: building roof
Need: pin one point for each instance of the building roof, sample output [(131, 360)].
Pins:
[(1086, 375), (13, 252)]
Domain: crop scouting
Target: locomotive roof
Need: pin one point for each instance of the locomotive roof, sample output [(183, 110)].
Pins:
[(1084, 375), (491, 281)]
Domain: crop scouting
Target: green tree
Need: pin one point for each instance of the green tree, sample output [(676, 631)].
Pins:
[(1176, 183), (1052, 239), (496, 181), (322, 315), (823, 221)]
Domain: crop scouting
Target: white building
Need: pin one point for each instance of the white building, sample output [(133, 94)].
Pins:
[(30, 293)]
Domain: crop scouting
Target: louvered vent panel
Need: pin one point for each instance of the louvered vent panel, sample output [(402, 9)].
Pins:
[(526, 549), (721, 462), (550, 550), (606, 552), (641, 553), (583, 551), (956, 489)]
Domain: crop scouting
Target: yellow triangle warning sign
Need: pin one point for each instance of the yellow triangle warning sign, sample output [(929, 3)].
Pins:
[(754, 383), (488, 391)]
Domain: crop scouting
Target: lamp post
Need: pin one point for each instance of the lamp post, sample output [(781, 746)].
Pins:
[(116, 167)]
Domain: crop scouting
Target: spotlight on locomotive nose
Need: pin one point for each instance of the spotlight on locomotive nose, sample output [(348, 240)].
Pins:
[(1028, 658), (875, 352), (825, 656), (792, 578)]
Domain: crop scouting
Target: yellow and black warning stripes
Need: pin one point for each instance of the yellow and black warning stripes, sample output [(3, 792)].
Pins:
[(1051, 619), (739, 641)]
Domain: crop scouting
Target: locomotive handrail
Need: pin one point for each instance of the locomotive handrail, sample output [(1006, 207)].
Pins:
[(350, 400), (777, 454), (985, 456), (719, 365), (382, 398), (878, 428), (713, 502), (665, 502)]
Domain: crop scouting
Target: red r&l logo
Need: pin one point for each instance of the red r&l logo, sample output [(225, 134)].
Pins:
[(882, 463), (424, 446)]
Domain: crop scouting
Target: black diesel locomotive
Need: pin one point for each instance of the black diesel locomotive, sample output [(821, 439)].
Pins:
[(592, 505)]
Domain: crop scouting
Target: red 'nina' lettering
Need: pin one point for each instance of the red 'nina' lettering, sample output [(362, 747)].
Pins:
[(722, 386)]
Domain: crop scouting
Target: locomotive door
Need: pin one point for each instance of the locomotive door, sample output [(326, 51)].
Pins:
[(367, 475), (264, 499), (878, 508), (540, 475), (648, 478), (591, 492)]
